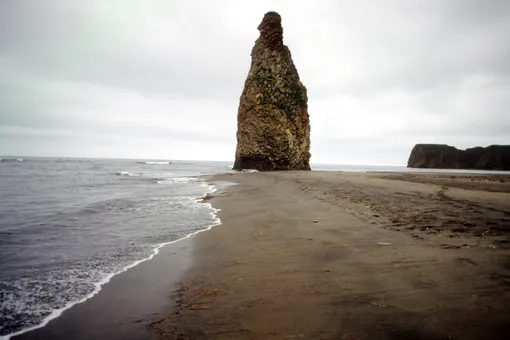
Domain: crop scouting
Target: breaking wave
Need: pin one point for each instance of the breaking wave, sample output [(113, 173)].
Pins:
[(124, 173), (154, 163), (177, 180), (11, 159)]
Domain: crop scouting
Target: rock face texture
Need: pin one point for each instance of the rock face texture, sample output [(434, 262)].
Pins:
[(441, 156), (273, 127)]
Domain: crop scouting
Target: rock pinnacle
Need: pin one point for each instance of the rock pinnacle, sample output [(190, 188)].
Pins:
[(273, 127)]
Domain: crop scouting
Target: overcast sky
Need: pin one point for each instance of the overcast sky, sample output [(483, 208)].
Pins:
[(162, 79)]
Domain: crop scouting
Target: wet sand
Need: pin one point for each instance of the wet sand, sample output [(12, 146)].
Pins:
[(312, 255)]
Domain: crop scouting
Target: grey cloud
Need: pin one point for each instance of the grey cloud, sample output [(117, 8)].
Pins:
[(34, 107), (173, 71), (73, 40)]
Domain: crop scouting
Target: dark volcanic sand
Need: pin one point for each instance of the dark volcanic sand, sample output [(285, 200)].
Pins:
[(311, 255)]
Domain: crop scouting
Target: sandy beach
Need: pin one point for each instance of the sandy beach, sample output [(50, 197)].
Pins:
[(315, 255)]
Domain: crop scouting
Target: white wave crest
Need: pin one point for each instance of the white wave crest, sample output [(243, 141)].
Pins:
[(154, 163), (177, 180), (11, 159), (124, 173)]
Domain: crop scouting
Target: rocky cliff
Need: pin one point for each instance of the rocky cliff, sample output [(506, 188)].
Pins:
[(441, 156), (273, 127)]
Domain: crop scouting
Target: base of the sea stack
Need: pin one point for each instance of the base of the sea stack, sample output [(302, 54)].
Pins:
[(262, 164)]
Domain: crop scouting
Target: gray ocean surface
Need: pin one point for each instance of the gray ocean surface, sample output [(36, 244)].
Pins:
[(68, 225)]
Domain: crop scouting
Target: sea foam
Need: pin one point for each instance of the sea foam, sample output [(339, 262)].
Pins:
[(154, 163), (11, 159), (123, 173), (172, 180)]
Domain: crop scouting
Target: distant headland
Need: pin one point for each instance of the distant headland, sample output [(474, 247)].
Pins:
[(442, 156)]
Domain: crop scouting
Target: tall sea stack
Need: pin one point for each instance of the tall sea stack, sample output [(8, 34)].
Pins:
[(273, 126)]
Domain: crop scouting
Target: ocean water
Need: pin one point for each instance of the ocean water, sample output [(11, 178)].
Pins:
[(68, 225)]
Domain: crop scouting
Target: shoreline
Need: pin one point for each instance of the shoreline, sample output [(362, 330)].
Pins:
[(326, 255), (120, 308), (98, 287), (32, 332)]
